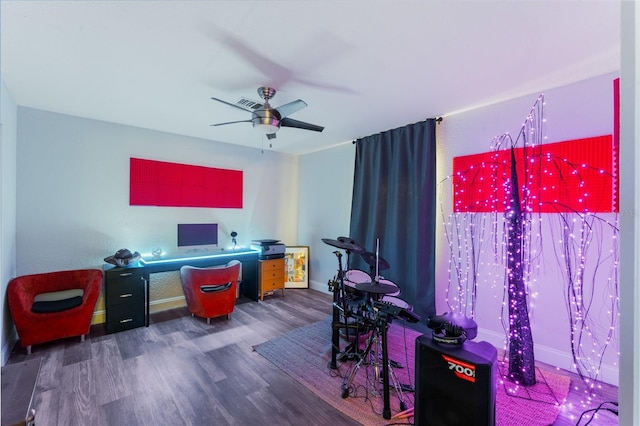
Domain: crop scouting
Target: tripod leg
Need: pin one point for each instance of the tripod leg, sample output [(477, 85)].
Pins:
[(347, 385), (386, 411), (335, 337), (398, 387), (375, 361), (352, 351)]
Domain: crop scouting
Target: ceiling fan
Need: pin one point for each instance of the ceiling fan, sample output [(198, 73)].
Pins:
[(267, 119)]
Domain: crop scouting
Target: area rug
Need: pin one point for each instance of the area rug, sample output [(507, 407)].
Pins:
[(304, 354)]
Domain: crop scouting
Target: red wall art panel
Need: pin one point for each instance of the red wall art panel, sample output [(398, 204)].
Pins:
[(572, 176), (159, 183)]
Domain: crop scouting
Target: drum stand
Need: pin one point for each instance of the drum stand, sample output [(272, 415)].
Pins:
[(371, 356), (340, 306)]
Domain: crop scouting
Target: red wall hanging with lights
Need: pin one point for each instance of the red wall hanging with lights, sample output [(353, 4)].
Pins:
[(578, 175), (571, 176), (159, 183)]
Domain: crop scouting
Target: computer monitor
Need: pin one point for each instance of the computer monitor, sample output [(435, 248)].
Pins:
[(194, 236)]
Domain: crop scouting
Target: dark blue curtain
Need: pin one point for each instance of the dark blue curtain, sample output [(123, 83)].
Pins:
[(394, 201)]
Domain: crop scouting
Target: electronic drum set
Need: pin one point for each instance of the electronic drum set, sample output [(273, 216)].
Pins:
[(364, 304)]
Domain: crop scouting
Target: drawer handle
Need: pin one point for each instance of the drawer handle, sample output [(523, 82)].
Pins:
[(126, 274), (126, 295), (126, 320)]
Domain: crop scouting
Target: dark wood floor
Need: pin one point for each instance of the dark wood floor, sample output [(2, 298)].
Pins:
[(180, 370)]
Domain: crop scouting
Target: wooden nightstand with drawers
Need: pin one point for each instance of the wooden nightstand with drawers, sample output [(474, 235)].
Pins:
[(271, 276)]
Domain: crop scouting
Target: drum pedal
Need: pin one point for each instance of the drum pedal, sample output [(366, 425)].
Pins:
[(403, 386), (350, 353), (407, 388), (395, 364), (348, 356)]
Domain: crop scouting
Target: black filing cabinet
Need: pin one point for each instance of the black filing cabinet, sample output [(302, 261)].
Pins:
[(126, 299)]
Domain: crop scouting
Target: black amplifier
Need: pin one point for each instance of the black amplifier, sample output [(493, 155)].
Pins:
[(455, 384)]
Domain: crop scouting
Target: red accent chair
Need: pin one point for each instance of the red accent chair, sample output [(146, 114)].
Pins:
[(34, 328), (211, 292)]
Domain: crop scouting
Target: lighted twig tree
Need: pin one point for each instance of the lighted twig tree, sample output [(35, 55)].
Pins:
[(521, 358), (523, 180)]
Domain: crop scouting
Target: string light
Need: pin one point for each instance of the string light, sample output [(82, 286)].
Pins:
[(481, 242)]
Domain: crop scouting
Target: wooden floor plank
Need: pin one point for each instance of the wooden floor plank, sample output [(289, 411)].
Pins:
[(181, 370), (18, 382), (108, 371)]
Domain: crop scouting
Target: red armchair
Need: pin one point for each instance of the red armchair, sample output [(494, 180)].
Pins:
[(211, 292), (40, 327)]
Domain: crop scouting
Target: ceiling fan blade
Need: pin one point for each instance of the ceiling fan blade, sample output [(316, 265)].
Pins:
[(257, 58), (289, 122), (231, 122), (291, 107), (271, 136), (242, 107)]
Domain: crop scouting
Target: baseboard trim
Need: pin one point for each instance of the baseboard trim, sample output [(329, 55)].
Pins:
[(166, 304), (608, 373), (100, 316), (8, 345), (319, 286)]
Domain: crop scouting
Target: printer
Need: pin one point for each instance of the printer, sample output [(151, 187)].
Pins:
[(269, 249)]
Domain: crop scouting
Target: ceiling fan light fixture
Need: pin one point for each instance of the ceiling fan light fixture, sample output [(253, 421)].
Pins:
[(266, 121), (266, 126)]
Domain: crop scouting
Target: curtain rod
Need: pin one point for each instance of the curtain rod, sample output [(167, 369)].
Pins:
[(438, 120)]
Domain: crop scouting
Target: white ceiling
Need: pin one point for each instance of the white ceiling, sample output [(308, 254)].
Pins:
[(362, 66)]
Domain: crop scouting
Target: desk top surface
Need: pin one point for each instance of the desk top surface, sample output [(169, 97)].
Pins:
[(175, 260), (195, 255)]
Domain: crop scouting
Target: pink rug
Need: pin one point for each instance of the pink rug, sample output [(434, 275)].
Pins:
[(304, 353), (533, 405)]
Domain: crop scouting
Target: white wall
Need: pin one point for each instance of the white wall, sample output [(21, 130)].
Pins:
[(575, 111), (8, 113), (629, 391), (73, 191), (326, 188)]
